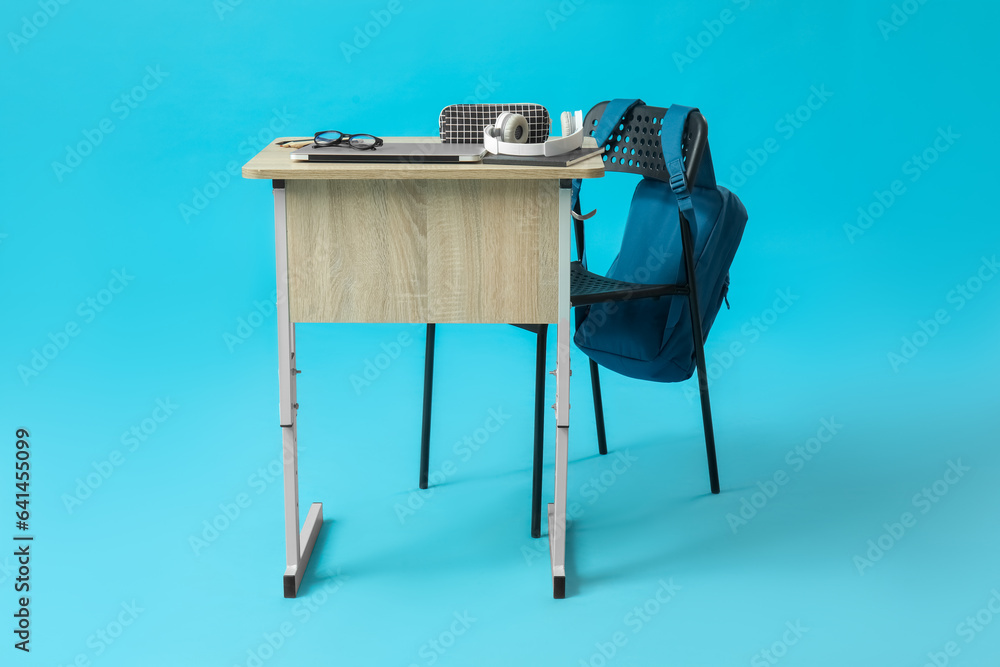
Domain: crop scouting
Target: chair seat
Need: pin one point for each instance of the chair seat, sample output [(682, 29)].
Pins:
[(588, 288)]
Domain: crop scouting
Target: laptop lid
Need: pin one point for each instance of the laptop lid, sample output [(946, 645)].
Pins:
[(394, 152)]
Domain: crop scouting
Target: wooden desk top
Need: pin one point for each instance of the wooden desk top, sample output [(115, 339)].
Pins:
[(273, 163)]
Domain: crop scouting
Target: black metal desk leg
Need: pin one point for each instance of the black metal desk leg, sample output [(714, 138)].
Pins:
[(536, 467), (595, 382), (425, 427)]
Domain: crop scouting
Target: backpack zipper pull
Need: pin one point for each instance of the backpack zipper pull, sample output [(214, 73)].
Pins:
[(725, 297)]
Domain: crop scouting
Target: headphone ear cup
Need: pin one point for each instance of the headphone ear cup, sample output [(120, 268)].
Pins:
[(511, 128), (566, 119), (499, 124)]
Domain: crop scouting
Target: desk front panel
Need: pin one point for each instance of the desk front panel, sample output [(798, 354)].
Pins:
[(423, 250)]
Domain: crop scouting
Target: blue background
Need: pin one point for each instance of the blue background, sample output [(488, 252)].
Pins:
[(380, 589)]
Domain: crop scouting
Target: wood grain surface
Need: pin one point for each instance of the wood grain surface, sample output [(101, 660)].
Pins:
[(423, 250)]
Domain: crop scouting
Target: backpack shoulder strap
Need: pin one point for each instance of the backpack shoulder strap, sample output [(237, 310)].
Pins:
[(610, 119), (671, 140)]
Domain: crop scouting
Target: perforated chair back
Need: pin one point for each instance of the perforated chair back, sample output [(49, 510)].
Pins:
[(635, 145)]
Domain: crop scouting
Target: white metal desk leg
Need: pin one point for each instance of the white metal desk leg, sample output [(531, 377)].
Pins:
[(298, 546), (557, 509)]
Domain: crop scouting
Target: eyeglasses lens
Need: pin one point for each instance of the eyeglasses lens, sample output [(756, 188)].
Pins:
[(362, 141), (328, 137)]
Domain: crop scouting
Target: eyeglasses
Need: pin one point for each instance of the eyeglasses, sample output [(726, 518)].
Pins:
[(362, 142)]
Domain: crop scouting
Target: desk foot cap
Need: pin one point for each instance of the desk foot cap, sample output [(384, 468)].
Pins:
[(559, 588)]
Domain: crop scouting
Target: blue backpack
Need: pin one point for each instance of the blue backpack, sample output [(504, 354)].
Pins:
[(646, 338)]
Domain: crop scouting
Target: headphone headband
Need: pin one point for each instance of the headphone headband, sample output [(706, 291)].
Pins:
[(501, 138)]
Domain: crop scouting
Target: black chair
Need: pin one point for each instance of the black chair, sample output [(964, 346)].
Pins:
[(640, 127)]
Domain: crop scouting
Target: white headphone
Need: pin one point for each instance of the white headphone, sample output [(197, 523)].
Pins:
[(509, 136)]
